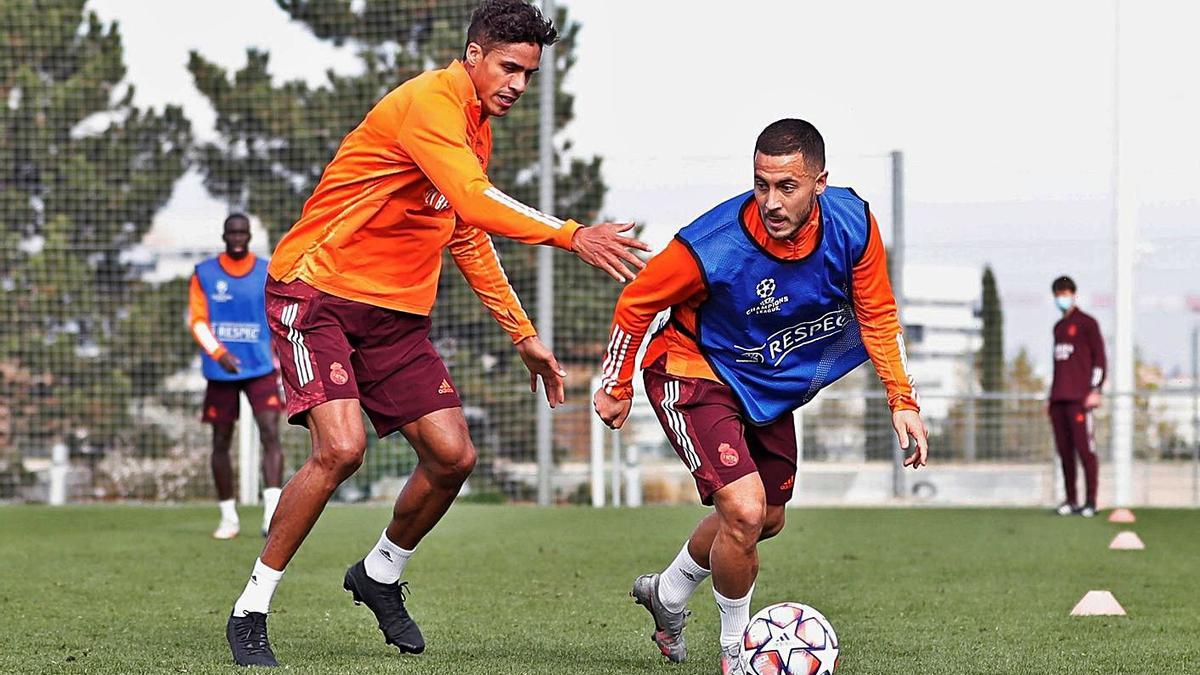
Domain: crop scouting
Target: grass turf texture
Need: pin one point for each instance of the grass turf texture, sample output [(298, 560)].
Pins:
[(497, 590)]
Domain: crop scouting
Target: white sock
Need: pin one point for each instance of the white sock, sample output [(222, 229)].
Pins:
[(385, 563), (270, 501), (677, 583), (735, 616), (259, 589), (228, 510)]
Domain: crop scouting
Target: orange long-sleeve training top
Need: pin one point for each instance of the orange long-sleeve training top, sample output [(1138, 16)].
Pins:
[(672, 280), (409, 181), (198, 322)]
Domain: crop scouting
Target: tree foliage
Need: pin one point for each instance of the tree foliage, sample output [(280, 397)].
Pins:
[(82, 173)]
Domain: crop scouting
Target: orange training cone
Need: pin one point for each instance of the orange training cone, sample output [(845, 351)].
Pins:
[(1098, 603), (1127, 541), (1121, 516)]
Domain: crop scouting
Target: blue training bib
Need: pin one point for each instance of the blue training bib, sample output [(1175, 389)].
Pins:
[(237, 310), (778, 331)]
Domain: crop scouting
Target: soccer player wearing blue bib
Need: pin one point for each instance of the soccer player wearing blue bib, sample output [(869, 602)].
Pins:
[(774, 295), (228, 319)]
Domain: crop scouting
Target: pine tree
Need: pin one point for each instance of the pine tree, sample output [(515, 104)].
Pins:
[(989, 438), (82, 173), (276, 138)]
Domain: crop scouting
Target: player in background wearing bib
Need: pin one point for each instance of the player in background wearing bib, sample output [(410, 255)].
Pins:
[(774, 294), (228, 318), (1079, 370)]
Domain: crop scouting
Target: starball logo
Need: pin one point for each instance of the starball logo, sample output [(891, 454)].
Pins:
[(769, 303), (781, 343), (222, 294)]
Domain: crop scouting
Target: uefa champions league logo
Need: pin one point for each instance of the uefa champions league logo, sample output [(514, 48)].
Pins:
[(222, 294), (769, 303)]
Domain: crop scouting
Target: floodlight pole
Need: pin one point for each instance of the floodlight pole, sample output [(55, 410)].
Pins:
[(1125, 243), (898, 487), (545, 272), (1196, 415)]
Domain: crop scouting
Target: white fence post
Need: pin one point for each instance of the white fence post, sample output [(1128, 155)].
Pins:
[(248, 453), (633, 476), (59, 468)]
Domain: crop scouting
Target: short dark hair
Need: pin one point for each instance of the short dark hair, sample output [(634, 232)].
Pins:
[(497, 22), (789, 136), (1063, 283), (237, 215)]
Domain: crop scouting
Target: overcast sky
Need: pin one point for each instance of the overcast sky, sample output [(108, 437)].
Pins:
[(1004, 112)]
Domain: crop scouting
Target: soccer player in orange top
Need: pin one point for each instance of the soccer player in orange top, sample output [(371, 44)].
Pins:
[(774, 294), (350, 289), (228, 319)]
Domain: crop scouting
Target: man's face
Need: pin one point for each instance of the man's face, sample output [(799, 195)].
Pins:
[(502, 74), (785, 189), (237, 238), (1065, 300)]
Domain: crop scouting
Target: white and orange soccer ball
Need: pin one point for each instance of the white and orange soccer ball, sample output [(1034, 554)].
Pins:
[(789, 639)]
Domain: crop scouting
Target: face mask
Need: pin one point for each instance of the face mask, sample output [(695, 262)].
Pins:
[(1064, 302)]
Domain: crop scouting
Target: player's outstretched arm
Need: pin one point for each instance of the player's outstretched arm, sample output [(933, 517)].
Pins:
[(476, 257), (541, 362), (604, 246), (909, 423)]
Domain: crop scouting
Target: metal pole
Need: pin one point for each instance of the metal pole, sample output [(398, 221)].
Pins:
[(616, 466), (545, 274), (897, 274), (1125, 236), (598, 435), (1196, 415)]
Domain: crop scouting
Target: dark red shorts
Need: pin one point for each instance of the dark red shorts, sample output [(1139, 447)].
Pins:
[(331, 348), (221, 405), (704, 423)]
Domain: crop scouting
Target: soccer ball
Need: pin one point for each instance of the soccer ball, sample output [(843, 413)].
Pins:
[(789, 639), (765, 288)]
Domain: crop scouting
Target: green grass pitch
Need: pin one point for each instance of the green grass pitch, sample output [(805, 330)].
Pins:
[(506, 589)]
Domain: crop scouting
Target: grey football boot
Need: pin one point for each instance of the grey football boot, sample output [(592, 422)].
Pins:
[(668, 626), (731, 660)]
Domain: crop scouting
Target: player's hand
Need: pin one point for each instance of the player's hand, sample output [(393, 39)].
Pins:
[(906, 423), (605, 247), (1093, 400), (541, 363), (229, 363), (611, 410)]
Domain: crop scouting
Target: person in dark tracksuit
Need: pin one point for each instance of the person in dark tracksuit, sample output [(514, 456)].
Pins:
[(1079, 371)]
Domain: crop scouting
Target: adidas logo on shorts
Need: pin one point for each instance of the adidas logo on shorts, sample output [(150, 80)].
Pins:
[(446, 388)]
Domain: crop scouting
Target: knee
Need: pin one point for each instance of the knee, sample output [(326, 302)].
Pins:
[(743, 521), (222, 438), (342, 455), (451, 468), (773, 524)]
